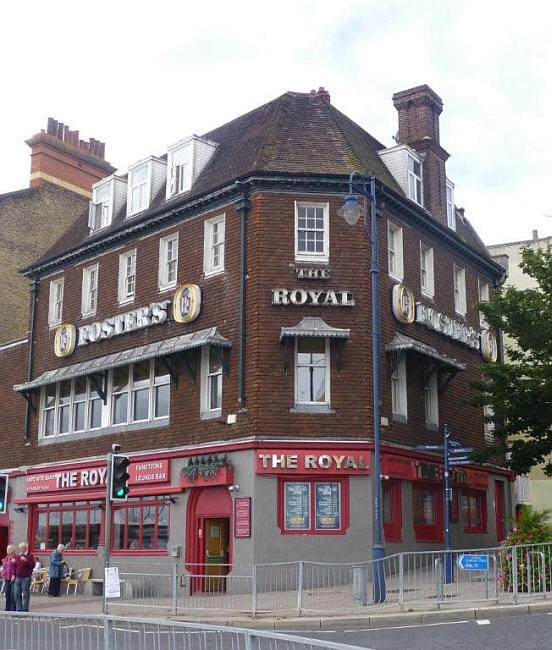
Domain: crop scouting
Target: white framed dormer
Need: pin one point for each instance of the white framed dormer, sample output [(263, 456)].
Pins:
[(395, 263), (55, 306), (89, 295), (312, 232), (108, 197), (451, 214), (406, 167), (185, 162), (168, 261), (145, 179), (213, 245)]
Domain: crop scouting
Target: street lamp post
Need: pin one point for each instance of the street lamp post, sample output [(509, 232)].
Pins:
[(351, 212)]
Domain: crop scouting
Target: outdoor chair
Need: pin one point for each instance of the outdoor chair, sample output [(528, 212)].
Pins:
[(39, 581), (76, 578)]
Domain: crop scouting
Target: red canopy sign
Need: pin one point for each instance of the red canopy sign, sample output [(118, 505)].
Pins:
[(141, 473)]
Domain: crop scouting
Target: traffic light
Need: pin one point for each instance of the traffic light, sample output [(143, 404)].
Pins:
[(3, 493), (119, 477)]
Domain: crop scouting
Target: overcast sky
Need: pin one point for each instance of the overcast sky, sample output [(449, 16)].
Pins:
[(139, 76)]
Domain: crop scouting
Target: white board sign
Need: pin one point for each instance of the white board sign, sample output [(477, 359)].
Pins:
[(112, 582)]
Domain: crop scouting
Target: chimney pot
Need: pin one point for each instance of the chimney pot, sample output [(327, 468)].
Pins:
[(323, 94), (535, 235)]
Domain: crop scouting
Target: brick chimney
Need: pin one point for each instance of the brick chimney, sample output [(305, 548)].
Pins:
[(59, 157), (419, 109)]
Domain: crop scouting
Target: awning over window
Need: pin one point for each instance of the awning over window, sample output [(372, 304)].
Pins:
[(208, 336), (402, 344), (314, 326)]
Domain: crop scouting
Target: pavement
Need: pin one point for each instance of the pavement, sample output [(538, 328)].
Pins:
[(93, 606)]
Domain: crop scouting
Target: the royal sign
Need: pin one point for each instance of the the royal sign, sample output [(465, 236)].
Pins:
[(285, 461), (141, 473)]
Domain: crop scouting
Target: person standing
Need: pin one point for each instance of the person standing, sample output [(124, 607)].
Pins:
[(8, 573), (56, 570), (24, 565)]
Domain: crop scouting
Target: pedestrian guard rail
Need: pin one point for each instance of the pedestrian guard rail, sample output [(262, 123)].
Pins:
[(413, 580), (30, 631)]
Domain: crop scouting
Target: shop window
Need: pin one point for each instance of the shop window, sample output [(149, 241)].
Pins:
[(140, 525), (213, 254), (76, 525), (312, 232), (136, 393), (211, 381), (313, 507), (312, 371), (427, 513), (392, 510), (473, 511), (55, 309)]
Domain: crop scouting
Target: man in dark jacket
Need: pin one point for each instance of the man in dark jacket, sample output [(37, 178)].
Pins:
[(56, 570), (24, 565)]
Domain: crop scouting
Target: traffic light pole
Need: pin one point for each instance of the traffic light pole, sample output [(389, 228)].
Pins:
[(449, 567), (107, 524)]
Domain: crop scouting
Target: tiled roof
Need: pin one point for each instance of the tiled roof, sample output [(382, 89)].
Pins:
[(295, 133)]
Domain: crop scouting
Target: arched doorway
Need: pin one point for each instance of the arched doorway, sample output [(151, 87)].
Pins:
[(208, 538)]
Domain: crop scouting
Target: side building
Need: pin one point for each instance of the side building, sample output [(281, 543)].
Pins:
[(534, 488), (215, 322)]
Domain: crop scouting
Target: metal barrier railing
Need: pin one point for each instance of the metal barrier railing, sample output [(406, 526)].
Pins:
[(29, 631), (419, 579)]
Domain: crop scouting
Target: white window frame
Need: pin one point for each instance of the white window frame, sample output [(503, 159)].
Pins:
[(395, 261), (327, 375), (179, 169), (106, 210), (126, 296), (145, 183), (451, 214), (460, 303), (313, 256), (414, 183), (484, 296), (55, 305), (399, 399), (164, 281), (206, 374), (89, 306), (431, 401), (427, 272), (209, 245)]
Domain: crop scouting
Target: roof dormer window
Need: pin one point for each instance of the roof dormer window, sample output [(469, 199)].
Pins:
[(414, 179), (145, 179), (108, 196), (186, 160)]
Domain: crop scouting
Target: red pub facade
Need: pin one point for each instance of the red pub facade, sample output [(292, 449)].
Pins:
[(210, 313)]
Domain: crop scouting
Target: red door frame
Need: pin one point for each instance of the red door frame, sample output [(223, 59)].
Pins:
[(499, 510)]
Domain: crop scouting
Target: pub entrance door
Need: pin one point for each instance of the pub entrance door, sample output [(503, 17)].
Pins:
[(216, 553)]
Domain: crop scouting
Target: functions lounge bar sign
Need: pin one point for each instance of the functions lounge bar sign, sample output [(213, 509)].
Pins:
[(141, 473), (285, 461)]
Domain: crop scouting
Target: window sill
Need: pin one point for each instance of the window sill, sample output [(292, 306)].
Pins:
[(211, 415), (431, 427), (428, 296), (97, 433), (312, 409), (396, 278), (459, 313), (90, 314), (400, 418), (167, 287), (213, 272), (314, 259), (126, 301), (53, 326)]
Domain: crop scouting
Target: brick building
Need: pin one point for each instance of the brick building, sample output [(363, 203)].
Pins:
[(211, 314)]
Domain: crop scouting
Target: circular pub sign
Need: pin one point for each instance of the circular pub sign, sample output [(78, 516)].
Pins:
[(404, 307), (489, 346), (187, 303), (65, 340)]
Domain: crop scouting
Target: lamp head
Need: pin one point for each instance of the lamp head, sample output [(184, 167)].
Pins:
[(351, 210)]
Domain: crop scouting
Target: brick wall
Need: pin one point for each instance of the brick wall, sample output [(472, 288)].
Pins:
[(269, 392)]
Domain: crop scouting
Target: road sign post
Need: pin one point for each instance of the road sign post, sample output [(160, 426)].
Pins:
[(473, 562)]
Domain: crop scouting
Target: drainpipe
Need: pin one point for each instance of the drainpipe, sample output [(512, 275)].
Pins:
[(35, 284), (243, 205)]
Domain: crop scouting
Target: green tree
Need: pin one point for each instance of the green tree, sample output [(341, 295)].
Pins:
[(519, 391)]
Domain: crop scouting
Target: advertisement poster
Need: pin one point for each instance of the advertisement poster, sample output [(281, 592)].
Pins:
[(297, 501), (327, 506), (112, 582)]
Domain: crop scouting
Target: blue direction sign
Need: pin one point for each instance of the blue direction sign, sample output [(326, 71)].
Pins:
[(455, 459), (459, 461), (461, 450), (454, 443), (429, 447), (474, 562)]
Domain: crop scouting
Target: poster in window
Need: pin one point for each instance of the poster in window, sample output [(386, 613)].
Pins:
[(327, 506), (297, 506)]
